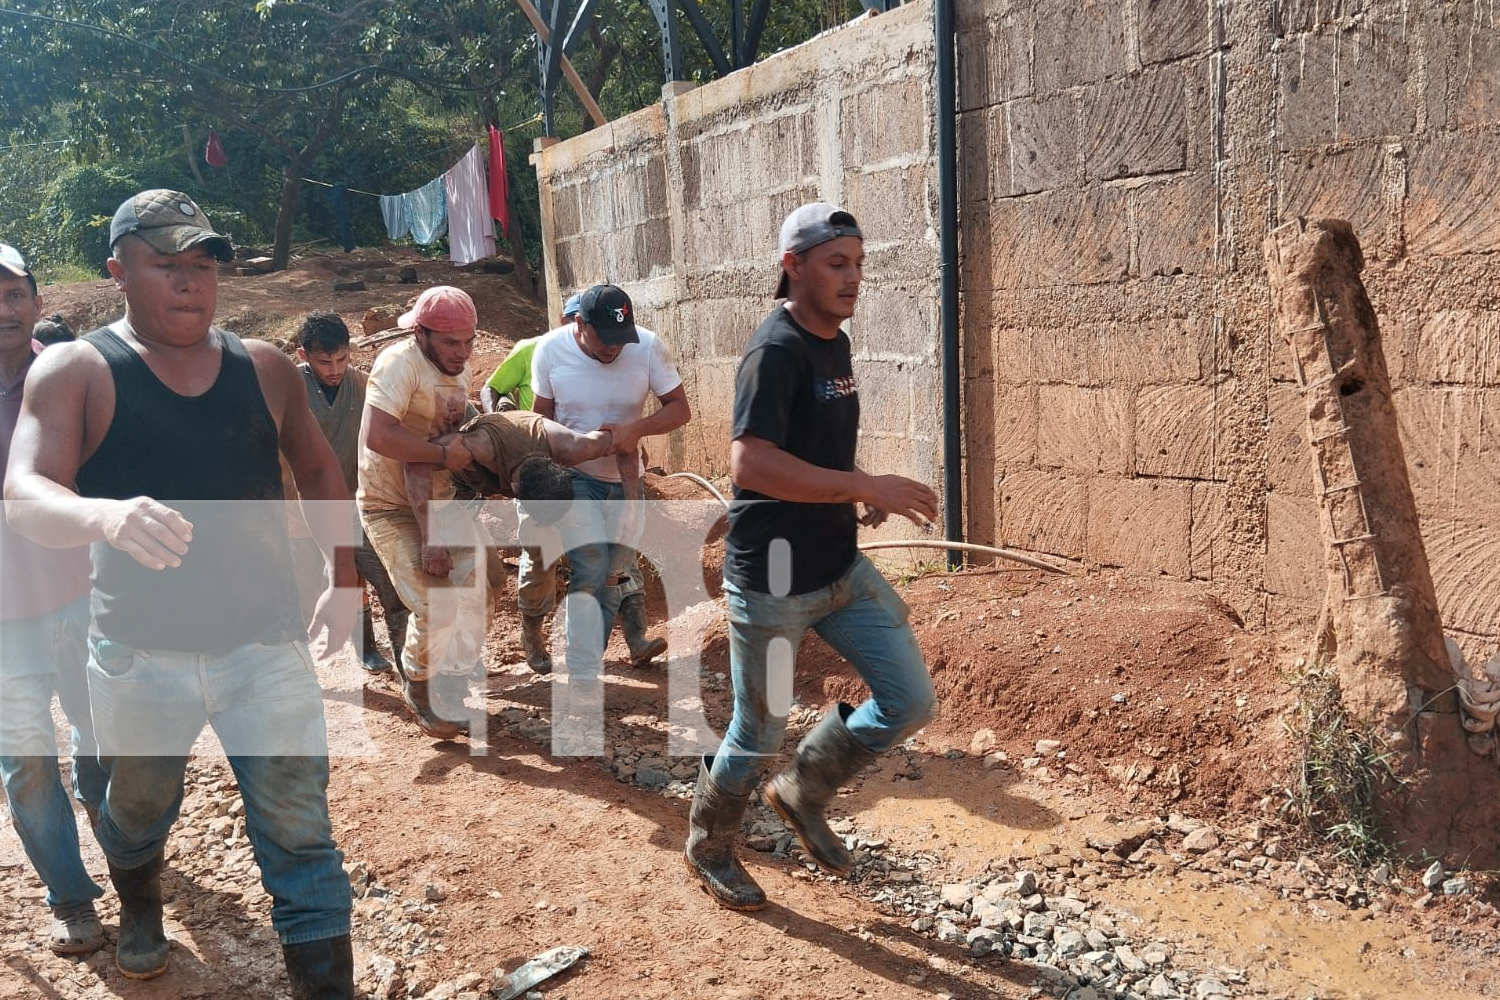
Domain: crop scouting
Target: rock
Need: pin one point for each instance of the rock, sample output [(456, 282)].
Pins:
[(652, 778), (1161, 988), (958, 894), (1456, 887), (1025, 883), (1068, 909), (1156, 955), (1200, 841), (1179, 823), (407, 275), (349, 285), (1432, 878), (1068, 942), (1039, 925), (1128, 960), (984, 742), (1046, 748), (1123, 840), (1211, 988), (997, 759), (983, 940), (433, 893), (378, 320)]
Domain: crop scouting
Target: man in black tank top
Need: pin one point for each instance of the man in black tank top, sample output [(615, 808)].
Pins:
[(156, 440)]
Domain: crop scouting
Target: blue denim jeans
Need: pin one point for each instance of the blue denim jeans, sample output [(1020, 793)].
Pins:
[(591, 601), (265, 706), (40, 655), (863, 618)]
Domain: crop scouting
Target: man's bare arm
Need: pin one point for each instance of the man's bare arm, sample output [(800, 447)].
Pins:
[(569, 447), (759, 465), (383, 434), (674, 413)]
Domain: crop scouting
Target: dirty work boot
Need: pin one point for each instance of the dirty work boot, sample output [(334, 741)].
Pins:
[(417, 697), (713, 823), (395, 630), (142, 949), (320, 970), (538, 656), (633, 625), (370, 657), (827, 757), (75, 929)]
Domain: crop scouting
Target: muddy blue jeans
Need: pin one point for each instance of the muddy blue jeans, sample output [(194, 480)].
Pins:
[(591, 600), (40, 655), (863, 618), (265, 706)]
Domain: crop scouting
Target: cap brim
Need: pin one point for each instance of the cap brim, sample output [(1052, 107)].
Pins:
[(781, 286), (19, 272), (407, 320), (181, 239), (619, 336)]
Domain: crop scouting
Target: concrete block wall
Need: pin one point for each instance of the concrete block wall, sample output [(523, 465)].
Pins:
[(1128, 402), (684, 200)]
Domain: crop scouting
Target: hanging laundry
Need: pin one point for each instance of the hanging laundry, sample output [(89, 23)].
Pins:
[(499, 185), (393, 214), (471, 233), (340, 206), (213, 153), (427, 210)]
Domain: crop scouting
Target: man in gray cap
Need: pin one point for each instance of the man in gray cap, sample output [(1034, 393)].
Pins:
[(44, 621), (131, 439), (790, 564)]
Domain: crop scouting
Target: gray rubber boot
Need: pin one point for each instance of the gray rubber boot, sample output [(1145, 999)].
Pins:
[(538, 656), (632, 616), (141, 952), (713, 823), (320, 970), (370, 657), (827, 757)]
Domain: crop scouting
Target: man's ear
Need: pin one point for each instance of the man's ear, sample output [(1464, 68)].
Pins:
[(116, 271), (302, 354)]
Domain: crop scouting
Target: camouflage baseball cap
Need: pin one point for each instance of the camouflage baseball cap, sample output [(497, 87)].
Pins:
[(170, 222)]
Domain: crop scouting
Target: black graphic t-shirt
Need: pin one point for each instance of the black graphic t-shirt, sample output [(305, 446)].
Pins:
[(798, 392)]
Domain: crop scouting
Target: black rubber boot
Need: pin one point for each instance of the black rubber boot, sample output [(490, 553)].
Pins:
[(142, 949), (395, 630), (632, 616), (370, 657), (321, 970), (713, 823), (417, 698), (538, 656), (827, 757)]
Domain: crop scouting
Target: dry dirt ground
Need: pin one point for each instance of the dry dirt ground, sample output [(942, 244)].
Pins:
[(1121, 740)]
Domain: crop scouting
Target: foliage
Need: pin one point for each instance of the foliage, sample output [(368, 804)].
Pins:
[(1342, 771), (381, 95)]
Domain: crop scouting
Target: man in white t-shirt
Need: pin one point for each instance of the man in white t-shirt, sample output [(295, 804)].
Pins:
[(417, 391), (597, 373)]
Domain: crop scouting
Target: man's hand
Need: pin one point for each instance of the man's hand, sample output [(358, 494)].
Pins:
[(898, 495), (625, 438), (332, 621), (459, 457), (153, 534), (436, 560), (873, 517)]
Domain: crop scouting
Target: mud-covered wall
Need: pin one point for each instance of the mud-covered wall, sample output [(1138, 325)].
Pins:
[(1127, 402)]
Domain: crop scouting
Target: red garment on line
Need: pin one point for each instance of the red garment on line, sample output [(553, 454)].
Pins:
[(499, 189), (213, 153)]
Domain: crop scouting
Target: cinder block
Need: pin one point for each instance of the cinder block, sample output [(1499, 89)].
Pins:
[(893, 454), (1137, 125), (884, 397), (1072, 238), (1011, 437), (1289, 458), (1452, 347), (1044, 512), (891, 118), (1084, 430), (1043, 145), (1346, 184), (1175, 225), (565, 217), (1465, 561), (1449, 440), (1167, 351), (1078, 41), (892, 204), (1012, 355), (1459, 57), (1063, 355), (1344, 83), (895, 321), (994, 59), (1209, 532), (1140, 524), (984, 162), (1175, 431), (1171, 29), (1294, 547)]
